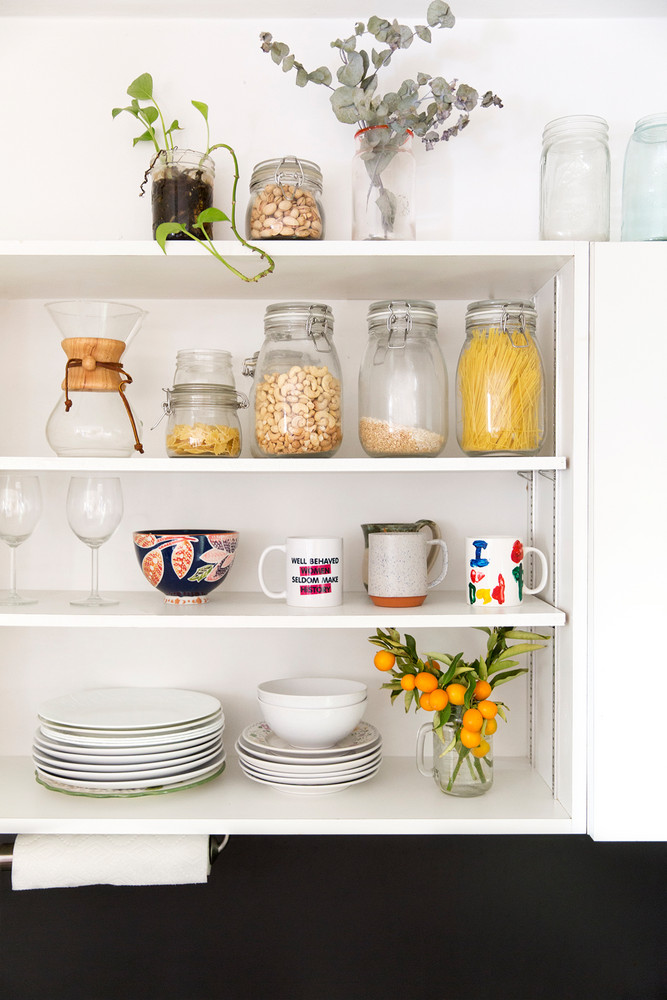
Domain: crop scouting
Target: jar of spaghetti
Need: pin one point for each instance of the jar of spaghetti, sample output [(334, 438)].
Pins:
[(500, 381)]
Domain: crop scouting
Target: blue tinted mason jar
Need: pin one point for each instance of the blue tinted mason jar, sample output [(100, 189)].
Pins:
[(644, 214)]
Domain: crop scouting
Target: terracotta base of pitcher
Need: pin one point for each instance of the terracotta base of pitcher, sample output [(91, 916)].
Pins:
[(397, 602)]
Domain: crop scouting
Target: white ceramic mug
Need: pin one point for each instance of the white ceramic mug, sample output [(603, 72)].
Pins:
[(494, 570), (313, 572), (397, 568)]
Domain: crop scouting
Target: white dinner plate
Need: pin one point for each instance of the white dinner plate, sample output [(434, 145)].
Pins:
[(261, 736), (125, 782), (300, 779), (309, 789), (296, 766), (115, 767), (122, 755), (129, 708), (131, 739), (137, 789)]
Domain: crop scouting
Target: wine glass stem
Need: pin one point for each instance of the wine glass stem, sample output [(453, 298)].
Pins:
[(94, 573), (12, 570)]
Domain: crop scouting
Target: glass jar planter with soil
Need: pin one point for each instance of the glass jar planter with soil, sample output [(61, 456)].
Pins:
[(182, 187)]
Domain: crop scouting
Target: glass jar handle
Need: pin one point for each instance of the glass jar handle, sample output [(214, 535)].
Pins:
[(427, 727)]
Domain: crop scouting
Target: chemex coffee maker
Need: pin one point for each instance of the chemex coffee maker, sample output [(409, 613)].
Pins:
[(93, 416)]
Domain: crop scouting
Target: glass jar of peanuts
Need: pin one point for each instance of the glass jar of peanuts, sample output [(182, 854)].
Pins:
[(285, 201), (402, 382), (203, 421), (500, 381), (296, 395)]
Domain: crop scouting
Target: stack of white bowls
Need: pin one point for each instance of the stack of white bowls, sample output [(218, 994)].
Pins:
[(312, 737)]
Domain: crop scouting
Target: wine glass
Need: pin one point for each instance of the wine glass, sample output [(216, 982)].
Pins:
[(20, 510), (94, 510)]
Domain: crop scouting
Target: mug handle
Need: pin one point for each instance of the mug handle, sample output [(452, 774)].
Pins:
[(545, 571), (427, 727), (270, 593), (425, 522), (445, 561)]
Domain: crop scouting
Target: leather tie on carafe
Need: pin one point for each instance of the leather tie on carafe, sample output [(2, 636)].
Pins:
[(126, 379)]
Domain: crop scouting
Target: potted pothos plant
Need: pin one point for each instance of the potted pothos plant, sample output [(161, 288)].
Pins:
[(458, 693), (387, 121), (182, 179)]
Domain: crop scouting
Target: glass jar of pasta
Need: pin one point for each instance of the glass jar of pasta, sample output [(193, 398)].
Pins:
[(203, 421), (500, 381), (296, 395)]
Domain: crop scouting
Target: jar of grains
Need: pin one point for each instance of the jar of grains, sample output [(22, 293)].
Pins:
[(500, 381), (296, 396), (203, 421), (403, 382), (285, 201)]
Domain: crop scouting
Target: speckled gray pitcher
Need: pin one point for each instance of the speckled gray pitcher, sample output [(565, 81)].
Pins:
[(396, 526), (397, 573)]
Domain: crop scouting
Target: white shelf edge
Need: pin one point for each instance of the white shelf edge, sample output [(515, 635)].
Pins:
[(462, 463), (230, 609), (398, 800)]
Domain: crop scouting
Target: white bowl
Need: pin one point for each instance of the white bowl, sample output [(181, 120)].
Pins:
[(312, 692), (313, 728)]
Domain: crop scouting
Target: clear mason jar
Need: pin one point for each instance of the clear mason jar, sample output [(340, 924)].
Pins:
[(285, 201), (181, 187), (455, 769), (296, 396), (403, 396), (203, 421), (383, 185), (574, 179), (500, 381), (204, 367), (644, 215)]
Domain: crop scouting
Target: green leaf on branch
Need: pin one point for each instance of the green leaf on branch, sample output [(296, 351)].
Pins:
[(439, 15), (202, 108), (423, 32), (142, 88), (351, 74), (507, 676), (147, 136), (164, 230)]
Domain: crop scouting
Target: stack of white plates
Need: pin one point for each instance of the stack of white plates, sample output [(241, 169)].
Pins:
[(266, 758), (128, 741)]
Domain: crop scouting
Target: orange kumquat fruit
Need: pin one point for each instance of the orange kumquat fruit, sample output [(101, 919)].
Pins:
[(457, 693), (408, 682), (488, 709), (491, 726), (482, 690), (469, 738), (425, 702), (424, 681), (439, 700), (384, 660), (472, 719), (481, 750)]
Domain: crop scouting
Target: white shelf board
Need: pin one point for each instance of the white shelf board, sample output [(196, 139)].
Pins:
[(273, 466), (397, 800), (229, 609), (330, 269), (349, 9)]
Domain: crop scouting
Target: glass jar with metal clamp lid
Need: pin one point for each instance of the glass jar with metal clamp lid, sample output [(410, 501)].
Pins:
[(500, 381), (403, 382), (285, 200), (296, 396), (203, 420)]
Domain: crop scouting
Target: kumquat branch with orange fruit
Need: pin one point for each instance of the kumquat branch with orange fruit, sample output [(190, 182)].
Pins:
[(457, 692)]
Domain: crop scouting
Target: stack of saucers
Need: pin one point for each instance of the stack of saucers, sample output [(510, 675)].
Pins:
[(268, 759), (128, 741)]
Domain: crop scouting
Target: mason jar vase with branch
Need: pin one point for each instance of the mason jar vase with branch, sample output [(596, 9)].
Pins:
[(386, 122), (182, 179)]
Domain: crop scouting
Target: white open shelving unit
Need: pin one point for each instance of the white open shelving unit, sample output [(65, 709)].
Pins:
[(537, 788)]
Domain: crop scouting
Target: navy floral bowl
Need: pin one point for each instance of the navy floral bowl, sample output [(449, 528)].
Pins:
[(185, 566)]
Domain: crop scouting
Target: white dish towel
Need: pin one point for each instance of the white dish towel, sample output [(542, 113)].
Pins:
[(47, 861)]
